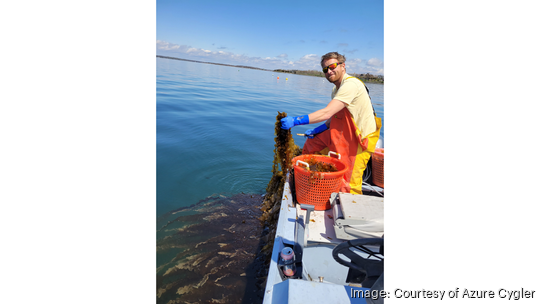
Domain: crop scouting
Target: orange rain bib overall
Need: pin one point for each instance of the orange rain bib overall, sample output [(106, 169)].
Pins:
[(344, 137)]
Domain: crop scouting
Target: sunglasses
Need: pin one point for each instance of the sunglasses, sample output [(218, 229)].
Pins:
[(331, 67)]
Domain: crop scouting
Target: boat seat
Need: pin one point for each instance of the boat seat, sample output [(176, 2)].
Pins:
[(357, 216), (351, 216)]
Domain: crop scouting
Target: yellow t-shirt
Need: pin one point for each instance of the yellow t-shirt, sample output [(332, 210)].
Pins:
[(353, 92)]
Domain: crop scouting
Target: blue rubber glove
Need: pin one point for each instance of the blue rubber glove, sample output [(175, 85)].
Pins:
[(311, 132), (291, 121)]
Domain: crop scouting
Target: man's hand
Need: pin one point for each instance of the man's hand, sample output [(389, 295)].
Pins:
[(311, 132), (291, 121)]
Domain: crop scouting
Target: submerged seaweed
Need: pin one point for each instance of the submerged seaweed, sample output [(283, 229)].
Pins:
[(207, 253), (218, 250)]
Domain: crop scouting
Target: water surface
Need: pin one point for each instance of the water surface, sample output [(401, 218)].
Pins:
[(215, 126), (215, 142)]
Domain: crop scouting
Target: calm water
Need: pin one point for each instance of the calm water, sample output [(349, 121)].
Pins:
[(215, 141), (215, 126)]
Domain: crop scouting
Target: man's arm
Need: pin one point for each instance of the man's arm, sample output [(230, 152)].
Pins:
[(326, 113), (321, 115)]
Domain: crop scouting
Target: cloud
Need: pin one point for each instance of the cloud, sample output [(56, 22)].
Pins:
[(310, 57), (308, 62), (282, 61), (375, 62), (163, 45), (373, 66), (220, 56), (343, 45), (353, 65)]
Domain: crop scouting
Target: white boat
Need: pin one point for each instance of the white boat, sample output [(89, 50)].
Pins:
[(338, 253)]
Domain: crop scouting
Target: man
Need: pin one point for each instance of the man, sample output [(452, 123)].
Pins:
[(351, 127)]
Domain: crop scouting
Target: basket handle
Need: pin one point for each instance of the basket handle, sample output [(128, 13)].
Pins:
[(332, 152), (303, 163)]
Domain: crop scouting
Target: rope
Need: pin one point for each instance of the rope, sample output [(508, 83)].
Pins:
[(364, 183)]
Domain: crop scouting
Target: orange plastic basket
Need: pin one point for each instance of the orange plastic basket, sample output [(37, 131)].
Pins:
[(377, 166), (314, 188)]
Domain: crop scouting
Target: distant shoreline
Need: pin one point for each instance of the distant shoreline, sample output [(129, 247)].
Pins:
[(295, 72), (236, 66)]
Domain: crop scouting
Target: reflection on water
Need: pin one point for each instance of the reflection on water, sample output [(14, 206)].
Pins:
[(207, 253)]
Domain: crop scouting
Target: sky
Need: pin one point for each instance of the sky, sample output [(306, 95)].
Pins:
[(273, 34)]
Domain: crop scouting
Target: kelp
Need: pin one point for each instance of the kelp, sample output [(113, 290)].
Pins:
[(285, 150), (218, 250), (208, 252), (319, 166)]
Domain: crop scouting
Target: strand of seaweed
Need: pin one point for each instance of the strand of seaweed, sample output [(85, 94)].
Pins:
[(285, 150)]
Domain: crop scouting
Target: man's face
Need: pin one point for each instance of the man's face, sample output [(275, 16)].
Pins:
[(335, 74)]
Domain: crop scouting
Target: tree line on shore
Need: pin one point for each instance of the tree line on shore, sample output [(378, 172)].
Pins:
[(364, 77)]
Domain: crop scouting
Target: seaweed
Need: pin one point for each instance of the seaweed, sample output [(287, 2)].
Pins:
[(285, 150), (320, 166), (218, 250), (207, 253)]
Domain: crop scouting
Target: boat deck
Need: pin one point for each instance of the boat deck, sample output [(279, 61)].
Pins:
[(323, 279), (321, 226)]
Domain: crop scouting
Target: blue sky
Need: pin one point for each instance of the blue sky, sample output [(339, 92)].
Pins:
[(273, 34)]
